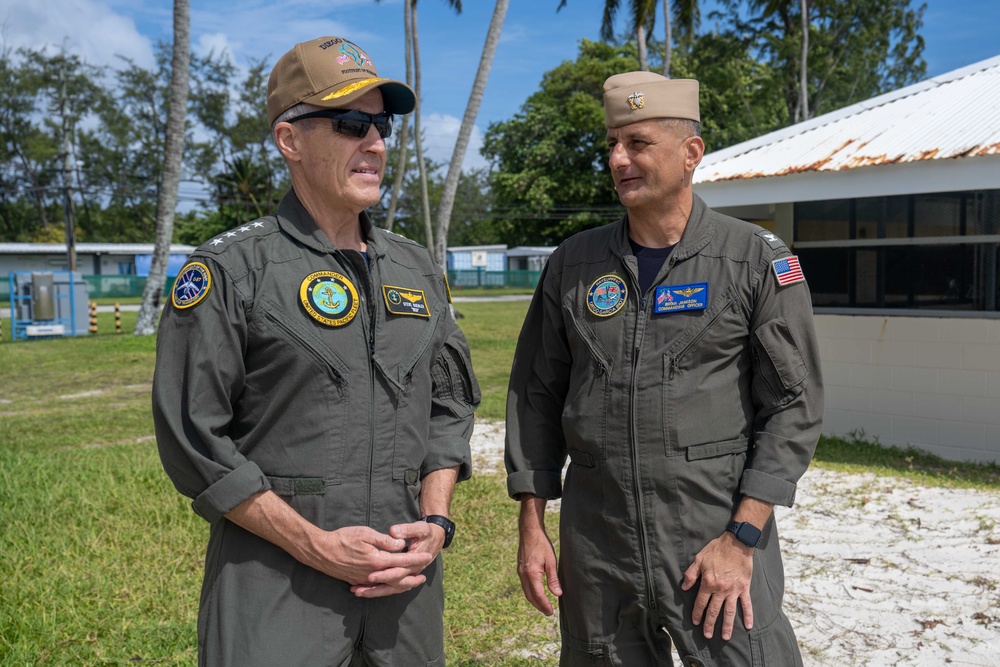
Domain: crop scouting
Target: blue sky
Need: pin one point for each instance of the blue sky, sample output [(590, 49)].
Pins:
[(535, 39)]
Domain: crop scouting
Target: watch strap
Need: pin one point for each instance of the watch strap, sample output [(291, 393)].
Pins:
[(444, 522), (747, 533)]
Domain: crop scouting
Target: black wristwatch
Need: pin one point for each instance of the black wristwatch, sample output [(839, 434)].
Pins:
[(747, 533), (444, 522)]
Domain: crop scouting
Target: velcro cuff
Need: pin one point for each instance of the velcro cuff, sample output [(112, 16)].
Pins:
[(219, 499), (541, 483), (768, 488)]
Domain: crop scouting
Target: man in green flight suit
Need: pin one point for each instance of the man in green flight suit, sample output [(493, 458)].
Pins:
[(671, 356), (315, 398)]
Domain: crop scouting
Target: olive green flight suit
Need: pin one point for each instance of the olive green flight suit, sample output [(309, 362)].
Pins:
[(272, 374), (668, 419)]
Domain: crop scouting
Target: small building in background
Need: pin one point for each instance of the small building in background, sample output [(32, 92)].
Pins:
[(528, 258), (119, 265), (893, 207)]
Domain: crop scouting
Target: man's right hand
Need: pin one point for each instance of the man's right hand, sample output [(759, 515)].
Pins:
[(351, 554), (355, 553), (536, 558)]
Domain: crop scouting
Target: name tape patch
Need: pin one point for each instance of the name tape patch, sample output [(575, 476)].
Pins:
[(405, 301), (671, 298)]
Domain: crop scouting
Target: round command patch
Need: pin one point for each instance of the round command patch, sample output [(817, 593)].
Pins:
[(329, 298), (606, 295), (191, 286)]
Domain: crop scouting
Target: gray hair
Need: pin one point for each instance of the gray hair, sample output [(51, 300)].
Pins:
[(683, 126)]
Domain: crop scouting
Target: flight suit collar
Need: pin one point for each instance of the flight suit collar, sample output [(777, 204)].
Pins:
[(697, 233), (295, 220)]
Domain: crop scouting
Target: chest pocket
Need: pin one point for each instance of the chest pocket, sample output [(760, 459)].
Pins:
[(706, 409), (588, 399), (297, 395)]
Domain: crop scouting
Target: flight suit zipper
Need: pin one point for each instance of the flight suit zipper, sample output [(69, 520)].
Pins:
[(363, 277), (634, 443)]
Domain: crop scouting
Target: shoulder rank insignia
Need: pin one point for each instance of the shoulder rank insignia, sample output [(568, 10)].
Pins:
[(771, 239), (191, 285), (787, 270), (447, 287), (671, 298), (329, 298), (607, 295), (405, 301)]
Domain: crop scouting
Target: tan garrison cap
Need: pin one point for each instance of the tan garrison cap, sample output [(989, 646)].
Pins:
[(635, 96), (330, 72)]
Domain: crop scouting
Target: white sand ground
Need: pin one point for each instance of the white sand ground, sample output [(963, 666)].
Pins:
[(880, 571)]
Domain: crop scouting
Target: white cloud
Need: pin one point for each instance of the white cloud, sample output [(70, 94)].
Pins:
[(440, 135), (88, 29)]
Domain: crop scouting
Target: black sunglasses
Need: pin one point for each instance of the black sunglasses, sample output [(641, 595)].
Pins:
[(352, 122)]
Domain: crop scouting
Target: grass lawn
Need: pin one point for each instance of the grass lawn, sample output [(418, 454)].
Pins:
[(101, 557)]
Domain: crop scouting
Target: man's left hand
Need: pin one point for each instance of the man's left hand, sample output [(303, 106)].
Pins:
[(725, 567), (421, 537)]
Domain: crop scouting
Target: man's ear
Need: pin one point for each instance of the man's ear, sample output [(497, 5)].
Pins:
[(694, 149), (286, 138)]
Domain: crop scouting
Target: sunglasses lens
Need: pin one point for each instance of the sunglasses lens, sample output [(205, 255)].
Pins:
[(352, 128), (383, 125)]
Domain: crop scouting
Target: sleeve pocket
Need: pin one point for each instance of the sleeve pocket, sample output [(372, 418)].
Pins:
[(777, 361)]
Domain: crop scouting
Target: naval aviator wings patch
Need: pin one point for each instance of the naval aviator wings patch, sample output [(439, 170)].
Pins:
[(405, 301)]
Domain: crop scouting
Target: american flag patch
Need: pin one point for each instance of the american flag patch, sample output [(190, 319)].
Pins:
[(787, 270)]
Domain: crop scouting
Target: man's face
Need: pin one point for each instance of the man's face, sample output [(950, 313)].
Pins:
[(345, 171), (651, 162)]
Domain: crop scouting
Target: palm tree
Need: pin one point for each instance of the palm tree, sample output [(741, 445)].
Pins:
[(465, 131), (686, 15), (166, 200), (413, 50), (397, 183)]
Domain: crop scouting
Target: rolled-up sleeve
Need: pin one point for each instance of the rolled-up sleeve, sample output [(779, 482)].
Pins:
[(199, 373), (455, 397), (535, 450)]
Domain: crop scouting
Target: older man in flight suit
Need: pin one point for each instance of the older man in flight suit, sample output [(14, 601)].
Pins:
[(672, 357), (314, 397)]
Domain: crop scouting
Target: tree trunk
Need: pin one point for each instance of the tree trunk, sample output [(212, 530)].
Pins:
[(397, 182), (166, 201), (803, 66), (465, 131), (667, 38), (69, 218), (421, 165), (640, 38)]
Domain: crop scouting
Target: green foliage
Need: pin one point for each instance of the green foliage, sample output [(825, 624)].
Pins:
[(857, 48), (550, 175), (739, 96)]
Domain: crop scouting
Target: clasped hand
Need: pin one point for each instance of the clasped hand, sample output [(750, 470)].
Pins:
[(377, 564)]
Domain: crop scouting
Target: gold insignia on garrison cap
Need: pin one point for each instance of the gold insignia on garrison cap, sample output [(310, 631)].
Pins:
[(635, 96)]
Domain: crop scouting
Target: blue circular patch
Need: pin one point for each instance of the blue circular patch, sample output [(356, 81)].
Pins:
[(606, 295), (191, 285), (329, 298)]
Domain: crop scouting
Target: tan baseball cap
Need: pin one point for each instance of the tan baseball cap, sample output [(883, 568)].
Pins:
[(330, 72), (635, 96)]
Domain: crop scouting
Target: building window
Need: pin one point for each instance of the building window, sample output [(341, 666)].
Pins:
[(937, 251)]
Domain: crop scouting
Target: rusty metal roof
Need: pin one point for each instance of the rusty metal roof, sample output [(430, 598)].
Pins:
[(954, 115)]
